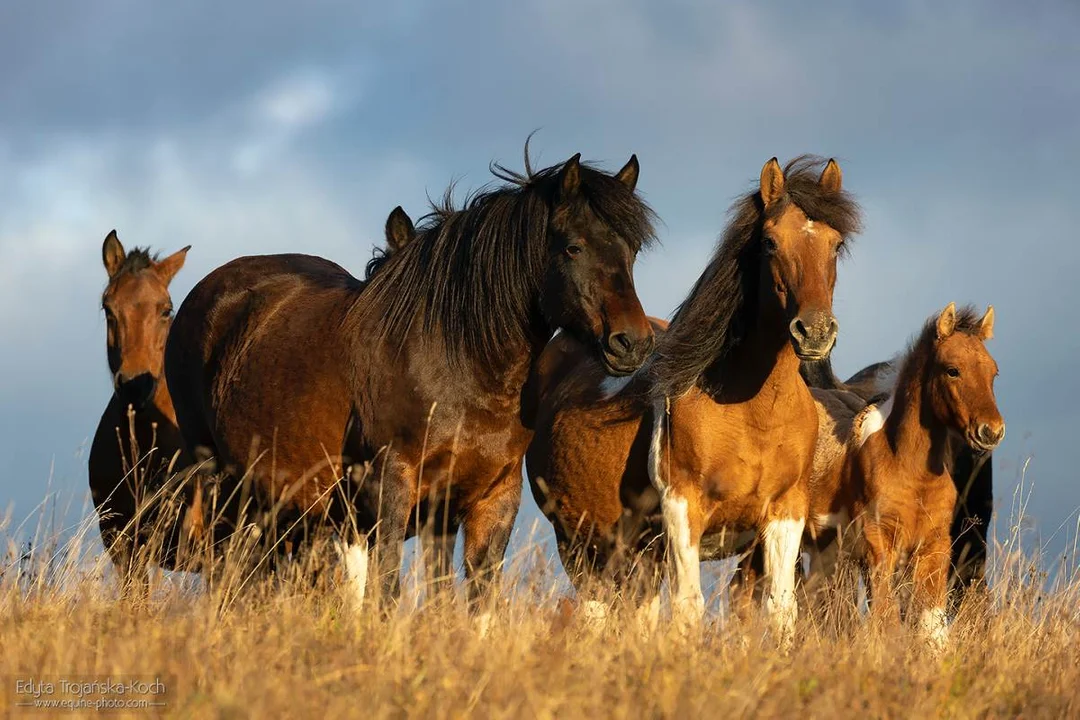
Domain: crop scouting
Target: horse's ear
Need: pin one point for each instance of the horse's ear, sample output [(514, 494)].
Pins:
[(986, 325), (629, 174), (831, 177), (166, 269), (399, 230), (946, 322), (112, 253), (772, 182), (570, 182)]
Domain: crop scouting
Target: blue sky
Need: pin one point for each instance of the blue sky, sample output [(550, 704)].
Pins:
[(262, 127)]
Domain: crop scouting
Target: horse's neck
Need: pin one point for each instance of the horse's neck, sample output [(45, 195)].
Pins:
[(761, 367), (915, 441), (163, 402)]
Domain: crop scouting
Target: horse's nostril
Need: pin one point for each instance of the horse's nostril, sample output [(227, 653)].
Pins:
[(798, 328), (620, 343), (991, 435)]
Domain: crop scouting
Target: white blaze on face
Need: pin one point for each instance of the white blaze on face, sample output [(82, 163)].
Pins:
[(808, 228)]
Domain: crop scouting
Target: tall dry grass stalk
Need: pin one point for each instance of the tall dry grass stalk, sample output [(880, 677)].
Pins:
[(253, 645)]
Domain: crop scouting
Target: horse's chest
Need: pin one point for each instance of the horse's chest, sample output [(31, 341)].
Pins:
[(753, 463)]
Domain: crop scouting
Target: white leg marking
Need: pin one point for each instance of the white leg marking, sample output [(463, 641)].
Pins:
[(783, 540), (355, 559), (594, 613), (647, 616), (484, 622), (934, 627), (611, 386), (834, 520), (688, 604)]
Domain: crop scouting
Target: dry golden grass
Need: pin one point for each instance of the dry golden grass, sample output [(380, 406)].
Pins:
[(283, 648)]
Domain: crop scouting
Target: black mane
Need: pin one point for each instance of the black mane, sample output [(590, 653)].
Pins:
[(136, 260), (379, 257), (472, 274), (715, 316)]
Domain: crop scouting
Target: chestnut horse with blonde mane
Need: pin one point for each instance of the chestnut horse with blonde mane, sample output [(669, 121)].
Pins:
[(718, 433), (373, 406), (137, 443), (893, 475)]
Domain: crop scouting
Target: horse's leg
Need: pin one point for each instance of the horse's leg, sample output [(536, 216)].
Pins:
[(882, 558), (931, 577), (643, 586), (581, 567), (488, 524), (782, 540), (443, 536), (974, 479), (745, 589), (383, 500), (683, 527)]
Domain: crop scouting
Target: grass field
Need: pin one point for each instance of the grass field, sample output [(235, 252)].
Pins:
[(288, 648)]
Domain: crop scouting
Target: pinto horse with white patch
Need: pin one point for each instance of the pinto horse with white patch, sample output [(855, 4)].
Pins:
[(894, 475), (719, 430), (377, 407)]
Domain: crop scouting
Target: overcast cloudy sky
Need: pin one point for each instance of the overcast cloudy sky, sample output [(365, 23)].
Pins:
[(256, 127)]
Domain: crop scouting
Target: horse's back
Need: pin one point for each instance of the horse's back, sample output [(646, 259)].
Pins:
[(258, 367)]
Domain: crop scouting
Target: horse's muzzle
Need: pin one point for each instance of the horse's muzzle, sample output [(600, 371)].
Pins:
[(624, 352), (136, 390), (813, 335)]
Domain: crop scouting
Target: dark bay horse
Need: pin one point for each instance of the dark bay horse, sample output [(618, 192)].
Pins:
[(971, 471), (892, 475), (717, 433), (137, 443), (375, 406)]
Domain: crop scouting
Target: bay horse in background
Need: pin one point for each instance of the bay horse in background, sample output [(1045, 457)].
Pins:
[(717, 433), (972, 473), (892, 476), (376, 407), (137, 444)]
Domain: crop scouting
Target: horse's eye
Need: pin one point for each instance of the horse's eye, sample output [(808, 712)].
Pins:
[(952, 372), (768, 245), (573, 250), (167, 312)]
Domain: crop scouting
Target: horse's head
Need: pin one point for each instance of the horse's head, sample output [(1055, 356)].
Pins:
[(804, 227), (138, 312), (960, 378), (589, 282)]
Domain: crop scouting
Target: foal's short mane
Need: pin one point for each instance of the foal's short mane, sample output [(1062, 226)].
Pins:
[(921, 345), (472, 274), (720, 308), (135, 260)]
